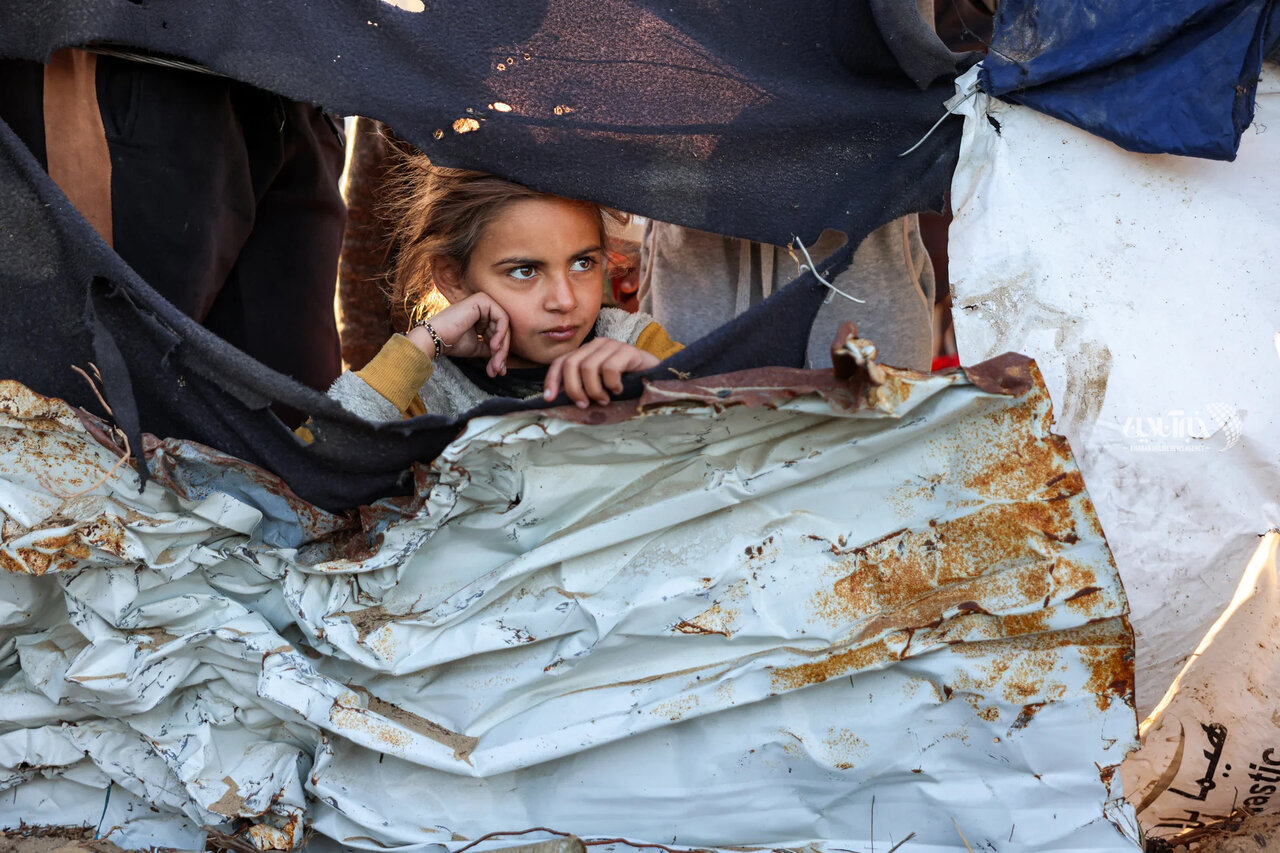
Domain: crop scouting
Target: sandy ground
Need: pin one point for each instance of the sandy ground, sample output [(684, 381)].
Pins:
[(1251, 835), (54, 840)]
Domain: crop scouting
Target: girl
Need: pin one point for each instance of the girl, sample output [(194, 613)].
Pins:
[(506, 284)]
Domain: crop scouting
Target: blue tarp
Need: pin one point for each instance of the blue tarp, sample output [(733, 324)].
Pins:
[(1154, 76)]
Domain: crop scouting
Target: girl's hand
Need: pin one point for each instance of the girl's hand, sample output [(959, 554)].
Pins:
[(593, 370), (475, 327)]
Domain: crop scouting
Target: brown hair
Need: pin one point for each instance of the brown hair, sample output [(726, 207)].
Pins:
[(442, 212)]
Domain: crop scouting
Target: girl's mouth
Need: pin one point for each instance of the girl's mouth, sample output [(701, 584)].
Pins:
[(561, 333)]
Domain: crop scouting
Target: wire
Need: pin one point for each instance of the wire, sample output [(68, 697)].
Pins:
[(809, 265)]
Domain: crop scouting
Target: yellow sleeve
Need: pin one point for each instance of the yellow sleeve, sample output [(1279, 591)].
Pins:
[(655, 340), (397, 372)]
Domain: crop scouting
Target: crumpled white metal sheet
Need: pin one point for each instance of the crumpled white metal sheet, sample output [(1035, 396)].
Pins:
[(1145, 286), (777, 609)]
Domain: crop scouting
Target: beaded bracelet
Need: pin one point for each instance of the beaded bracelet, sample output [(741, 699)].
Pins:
[(440, 344)]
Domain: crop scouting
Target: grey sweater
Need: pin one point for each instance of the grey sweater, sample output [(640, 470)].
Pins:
[(693, 281)]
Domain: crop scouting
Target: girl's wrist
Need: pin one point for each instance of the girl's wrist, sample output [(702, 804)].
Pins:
[(426, 338)]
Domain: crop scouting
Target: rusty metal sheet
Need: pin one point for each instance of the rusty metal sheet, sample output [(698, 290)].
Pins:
[(775, 609)]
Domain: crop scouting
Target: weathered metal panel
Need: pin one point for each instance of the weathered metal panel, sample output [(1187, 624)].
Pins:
[(1145, 287), (777, 609)]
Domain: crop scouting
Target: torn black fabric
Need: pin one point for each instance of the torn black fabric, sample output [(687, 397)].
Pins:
[(117, 385), (750, 119)]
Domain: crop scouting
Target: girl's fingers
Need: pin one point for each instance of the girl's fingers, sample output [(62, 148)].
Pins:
[(551, 385), (571, 375), (611, 373), (502, 341), (590, 369)]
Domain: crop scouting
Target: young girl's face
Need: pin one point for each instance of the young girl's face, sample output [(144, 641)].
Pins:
[(542, 261)]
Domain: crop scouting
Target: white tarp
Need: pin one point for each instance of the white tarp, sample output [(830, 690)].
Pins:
[(743, 613), (1148, 290)]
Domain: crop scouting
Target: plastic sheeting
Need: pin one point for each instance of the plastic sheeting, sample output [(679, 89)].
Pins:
[(1172, 77), (1145, 286), (1213, 744), (774, 608)]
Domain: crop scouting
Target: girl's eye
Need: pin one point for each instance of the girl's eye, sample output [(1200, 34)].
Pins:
[(582, 264), (522, 273)]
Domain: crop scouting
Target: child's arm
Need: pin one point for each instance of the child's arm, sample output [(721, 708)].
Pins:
[(475, 327), (388, 385), (407, 361)]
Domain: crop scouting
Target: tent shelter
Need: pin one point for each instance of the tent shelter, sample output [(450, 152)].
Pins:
[(212, 637)]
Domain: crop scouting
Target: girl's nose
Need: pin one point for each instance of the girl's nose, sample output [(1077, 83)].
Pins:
[(560, 295)]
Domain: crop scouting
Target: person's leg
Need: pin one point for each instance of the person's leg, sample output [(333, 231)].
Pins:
[(181, 195), (277, 303)]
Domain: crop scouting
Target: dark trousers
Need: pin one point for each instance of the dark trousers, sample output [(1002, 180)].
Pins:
[(223, 197)]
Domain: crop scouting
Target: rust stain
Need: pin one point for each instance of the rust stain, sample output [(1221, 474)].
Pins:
[(1111, 674), (462, 745), (47, 414), (67, 542), (676, 709), (1017, 678), (230, 804), (1105, 774), (1006, 553), (1027, 713), (713, 620), (1022, 460), (370, 619), (1010, 373), (841, 663), (691, 626), (989, 713), (845, 748), (1076, 602), (35, 562), (157, 636), (1028, 670)]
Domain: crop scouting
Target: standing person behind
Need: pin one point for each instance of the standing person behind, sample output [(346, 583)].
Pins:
[(693, 281), (506, 284), (223, 197)]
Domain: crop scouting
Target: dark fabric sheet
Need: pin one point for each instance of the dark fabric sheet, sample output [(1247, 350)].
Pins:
[(754, 119), (735, 118), (1174, 77)]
